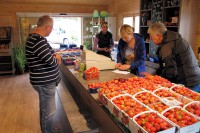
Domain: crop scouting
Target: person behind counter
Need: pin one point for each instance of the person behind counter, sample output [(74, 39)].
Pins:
[(103, 41), (44, 70), (131, 51), (176, 57)]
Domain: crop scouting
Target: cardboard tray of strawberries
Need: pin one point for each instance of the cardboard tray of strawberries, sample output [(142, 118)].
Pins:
[(184, 91), (184, 121), (150, 122), (193, 108)]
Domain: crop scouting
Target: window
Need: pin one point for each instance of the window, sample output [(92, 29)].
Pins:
[(66, 30), (137, 24), (128, 20)]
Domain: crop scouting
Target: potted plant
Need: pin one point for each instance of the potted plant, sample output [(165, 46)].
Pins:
[(20, 57)]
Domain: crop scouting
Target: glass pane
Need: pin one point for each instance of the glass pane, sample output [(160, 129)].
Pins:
[(128, 20), (137, 24)]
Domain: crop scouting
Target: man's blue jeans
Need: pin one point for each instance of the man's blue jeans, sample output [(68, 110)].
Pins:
[(47, 105)]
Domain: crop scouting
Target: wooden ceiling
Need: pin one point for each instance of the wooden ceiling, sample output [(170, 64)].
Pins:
[(57, 2)]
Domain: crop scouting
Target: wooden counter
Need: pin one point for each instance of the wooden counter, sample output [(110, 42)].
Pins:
[(75, 82)]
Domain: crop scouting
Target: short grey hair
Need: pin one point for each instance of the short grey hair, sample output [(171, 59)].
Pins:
[(44, 20), (157, 28)]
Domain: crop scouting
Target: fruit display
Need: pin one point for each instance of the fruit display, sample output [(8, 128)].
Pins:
[(124, 102), (91, 73), (138, 108), (138, 82), (110, 95), (95, 85), (180, 117), (194, 108), (133, 91), (162, 92), (128, 98), (106, 98), (186, 92), (152, 122), (146, 97), (159, 81), (125, 107), (171, 98), (159, 106)]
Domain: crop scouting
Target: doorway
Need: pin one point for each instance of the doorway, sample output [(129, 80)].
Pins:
[(66, 30)]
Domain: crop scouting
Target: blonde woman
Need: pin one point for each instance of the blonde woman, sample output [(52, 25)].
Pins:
[(131, 51)]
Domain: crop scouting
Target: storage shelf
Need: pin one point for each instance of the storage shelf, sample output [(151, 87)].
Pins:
[(172, 26), (144, 26), (6, 55), (160, 11), (146, 10), (171, 7)]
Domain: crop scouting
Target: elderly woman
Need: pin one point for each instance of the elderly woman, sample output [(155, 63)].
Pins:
[(131, 51)]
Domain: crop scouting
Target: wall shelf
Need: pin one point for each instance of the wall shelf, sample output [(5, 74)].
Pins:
[(6, 54), (152, 11)]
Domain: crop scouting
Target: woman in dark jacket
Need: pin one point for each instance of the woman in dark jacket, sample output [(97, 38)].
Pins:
[(103, 41), (131, 51)]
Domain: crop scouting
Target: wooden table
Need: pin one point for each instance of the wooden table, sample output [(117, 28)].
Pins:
[(75, 82)]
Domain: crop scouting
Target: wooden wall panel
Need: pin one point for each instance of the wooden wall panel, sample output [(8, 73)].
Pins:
[(197, 40), (126, 8), (10, 10), (188, 22), (189, 25), (112, 8), (13, 8), (123, 8)]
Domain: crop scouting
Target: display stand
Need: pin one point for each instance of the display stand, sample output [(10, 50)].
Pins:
[(79, 86)]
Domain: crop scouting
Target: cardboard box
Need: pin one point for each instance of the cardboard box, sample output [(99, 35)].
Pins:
[(136, 128), (194, 128), (192, 94), (193, 102), (121, 114), (174, 100)]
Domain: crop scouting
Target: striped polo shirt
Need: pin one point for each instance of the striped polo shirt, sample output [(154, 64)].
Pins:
[(43, 67)]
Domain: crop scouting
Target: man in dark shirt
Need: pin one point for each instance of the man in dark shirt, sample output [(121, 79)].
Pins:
[(44, 70), (176, 57)]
